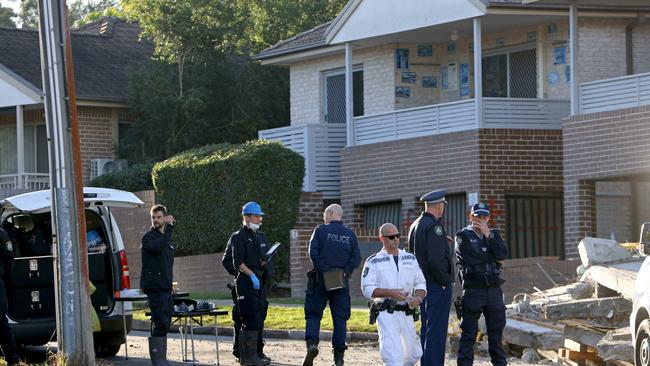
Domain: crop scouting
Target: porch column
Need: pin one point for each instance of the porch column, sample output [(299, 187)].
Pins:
[(478, 72), (20, 146), (349, 107), (573, 51)]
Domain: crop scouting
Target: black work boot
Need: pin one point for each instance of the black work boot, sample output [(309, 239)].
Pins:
[(338, 356), (260, 348), (158, 351), (312, 352), (248, 349)]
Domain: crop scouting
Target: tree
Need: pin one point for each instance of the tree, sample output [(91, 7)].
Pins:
[(80, 12), (5, 17), (28, 14)]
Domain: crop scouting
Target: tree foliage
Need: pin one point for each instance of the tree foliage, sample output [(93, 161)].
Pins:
[(6, 15), (80, 12)]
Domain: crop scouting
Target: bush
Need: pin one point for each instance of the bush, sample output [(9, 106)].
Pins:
[(205, 189), (135, 178)]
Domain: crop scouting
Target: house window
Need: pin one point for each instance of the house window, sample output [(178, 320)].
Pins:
[(8, 163), (122, 130), (36, 158), (378, 214), (335, 95), (511, 74)]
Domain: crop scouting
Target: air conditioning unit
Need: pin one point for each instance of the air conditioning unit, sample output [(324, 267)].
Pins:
[(103, 166)]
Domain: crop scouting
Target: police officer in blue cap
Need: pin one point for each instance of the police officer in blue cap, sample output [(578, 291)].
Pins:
[(479, 250), (249, 247), (333, 249), (432, 247)]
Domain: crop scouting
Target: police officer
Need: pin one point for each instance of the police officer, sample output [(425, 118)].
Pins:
[(157, 253), (479, 250), (393, 276), (248, 250), (227, 262), (6, 335), (432, 247), (332, 247)]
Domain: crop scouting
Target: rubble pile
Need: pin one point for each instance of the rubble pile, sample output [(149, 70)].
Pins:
[(582, 323)]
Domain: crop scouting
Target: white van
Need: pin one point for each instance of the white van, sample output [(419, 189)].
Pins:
[(30, 285), (640, 319)]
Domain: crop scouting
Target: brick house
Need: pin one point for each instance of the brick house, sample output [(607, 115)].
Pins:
[(103, 52), (517, 103)]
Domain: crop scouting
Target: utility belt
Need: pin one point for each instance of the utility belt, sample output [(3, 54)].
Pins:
[(390, 306), (485, 268)]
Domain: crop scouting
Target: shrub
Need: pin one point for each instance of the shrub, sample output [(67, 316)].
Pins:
[(205, 189), (135, 178)]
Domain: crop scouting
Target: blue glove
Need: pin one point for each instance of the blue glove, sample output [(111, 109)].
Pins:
[(256, 281)]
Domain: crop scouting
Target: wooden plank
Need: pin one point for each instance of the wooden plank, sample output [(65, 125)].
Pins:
[(574, 346), (578, 356), (584, 333)]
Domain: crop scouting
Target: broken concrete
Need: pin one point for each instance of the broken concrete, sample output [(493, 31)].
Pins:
[(620, 277), (600, 251), (605, 308), (617, 345), (532, 335)]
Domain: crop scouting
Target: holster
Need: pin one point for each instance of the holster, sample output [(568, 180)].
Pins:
[(458, 305), (374, 311), (312, 278)]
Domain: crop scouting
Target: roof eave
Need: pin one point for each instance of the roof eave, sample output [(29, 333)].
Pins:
[(272, 54)]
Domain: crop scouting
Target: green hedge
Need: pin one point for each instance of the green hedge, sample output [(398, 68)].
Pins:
[(205, 188), (135, 178)]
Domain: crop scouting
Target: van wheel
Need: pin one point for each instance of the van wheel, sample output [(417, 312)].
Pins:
[(106, 350), (642, 344)]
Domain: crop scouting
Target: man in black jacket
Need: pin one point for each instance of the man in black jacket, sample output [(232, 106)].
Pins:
[(6, 335), (157, 253), (432, 248)]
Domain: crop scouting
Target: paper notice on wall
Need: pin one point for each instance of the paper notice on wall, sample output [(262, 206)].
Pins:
[(452, 76)]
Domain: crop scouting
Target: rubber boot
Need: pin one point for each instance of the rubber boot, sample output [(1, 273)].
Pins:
[(235, 342), (158, 351), (338, 356), (248, 349), (312, 352)]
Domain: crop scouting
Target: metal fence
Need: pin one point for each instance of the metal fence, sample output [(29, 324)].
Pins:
[(616, 93)]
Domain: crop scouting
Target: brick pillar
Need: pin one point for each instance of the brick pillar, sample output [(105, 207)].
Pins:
[(299, 260), (579, 213), (310, 211), (496, 199), (353, 216)]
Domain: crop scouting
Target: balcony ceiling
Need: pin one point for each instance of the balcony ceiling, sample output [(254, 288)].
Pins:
[(441, 33)]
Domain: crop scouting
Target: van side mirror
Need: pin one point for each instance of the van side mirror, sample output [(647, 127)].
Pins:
[(644, 240)]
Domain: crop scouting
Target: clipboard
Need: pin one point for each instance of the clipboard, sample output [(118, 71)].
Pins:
[(334, 279), (274, 249)]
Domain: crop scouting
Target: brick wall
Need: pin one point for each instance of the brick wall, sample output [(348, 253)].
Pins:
[(602, 48), (97, 134), (405, 169), (641, 48), (310, 210), (600, 146), (307, 83), (518, 161)]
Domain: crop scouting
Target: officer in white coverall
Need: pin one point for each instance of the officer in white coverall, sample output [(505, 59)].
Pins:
[(393, 280)]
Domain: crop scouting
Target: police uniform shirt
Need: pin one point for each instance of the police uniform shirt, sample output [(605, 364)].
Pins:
[(428, 241), (333, 246), (478, 256), (227, 255), (6, 251), (380, 271), (247, 248)]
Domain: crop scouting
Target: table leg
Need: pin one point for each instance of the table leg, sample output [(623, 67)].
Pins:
[(216, 338), (192, 335), (126, 343), (180, 332), (185, 332)]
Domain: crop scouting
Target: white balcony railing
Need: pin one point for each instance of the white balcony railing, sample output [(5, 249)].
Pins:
[(616, 93), (320, 145), (460, 116), (25, 181)]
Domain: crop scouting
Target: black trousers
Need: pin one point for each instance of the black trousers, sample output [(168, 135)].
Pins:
[(6, 335), (162, 306)]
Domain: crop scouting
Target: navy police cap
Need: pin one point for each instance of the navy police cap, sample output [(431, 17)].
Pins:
[(480, 209), (434, 196)]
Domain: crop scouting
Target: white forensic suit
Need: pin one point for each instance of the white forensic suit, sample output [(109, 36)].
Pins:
[(398, 342)]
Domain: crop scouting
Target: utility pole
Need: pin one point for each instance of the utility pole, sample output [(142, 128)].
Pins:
[(73, 324)]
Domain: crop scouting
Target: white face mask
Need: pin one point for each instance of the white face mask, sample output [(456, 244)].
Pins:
[(253, 227)]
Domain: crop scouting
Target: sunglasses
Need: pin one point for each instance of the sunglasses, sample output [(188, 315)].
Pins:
[(392, 237)]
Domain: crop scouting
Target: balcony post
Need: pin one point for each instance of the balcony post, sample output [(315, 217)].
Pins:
[(573, 51), (478, 72), (20, 147), (349, 106)]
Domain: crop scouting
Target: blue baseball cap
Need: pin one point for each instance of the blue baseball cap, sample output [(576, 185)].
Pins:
[(435, 196), (480, 209)]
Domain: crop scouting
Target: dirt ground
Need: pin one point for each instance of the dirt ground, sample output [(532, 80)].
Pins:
[(283, 352)]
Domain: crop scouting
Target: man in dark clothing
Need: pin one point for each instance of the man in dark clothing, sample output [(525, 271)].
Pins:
[(479, 250), (227, 262), (248, 258), (7, 339), (157, 252), (333, 247), (432, 247)]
